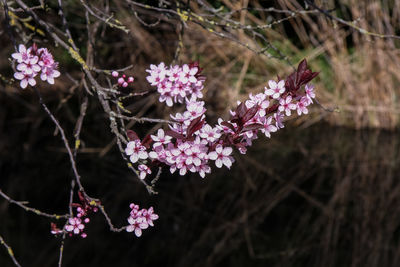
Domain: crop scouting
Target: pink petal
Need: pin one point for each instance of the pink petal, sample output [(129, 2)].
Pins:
[(24, 83), (218, 163), (227, 151), (19, 75), (138, 232)]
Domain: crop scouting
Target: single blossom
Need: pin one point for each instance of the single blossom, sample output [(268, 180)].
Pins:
[(275, 89), (160, 138), (302, 106), (136, 151), (143, 171), (136, 225), (286, 105), (268, 127), (74, 225), (221, 156)]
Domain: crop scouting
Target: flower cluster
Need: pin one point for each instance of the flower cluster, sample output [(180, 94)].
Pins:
[(123, 80), (140, 219), (76, 225), (33, 61), (176, 82), (190, 143)]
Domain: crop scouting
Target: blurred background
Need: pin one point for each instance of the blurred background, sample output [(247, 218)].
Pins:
[(323, 191)]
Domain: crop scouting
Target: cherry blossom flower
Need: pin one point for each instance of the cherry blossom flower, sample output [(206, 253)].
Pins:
[(33, 61), (136, 225), (286, 105), (144, 170), (309, 89), (268, 127), (209, 133), (48, 74), (221, 156), (302, 105), (275, 89), (140, 219), (136, 151), (23, 54), (25, 79), (188, 74), (176, 83), (150, 216), (74, 225), (278, 120), (161, 138), (29, 66)]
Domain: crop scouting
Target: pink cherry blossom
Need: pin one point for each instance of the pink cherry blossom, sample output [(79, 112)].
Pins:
[(25, 79), (268, 127), (161, 138), (48, 74), (275, 89), (302, 105), (278, 120), (150, 216), (143, 171), (136, 225), (136, 151), (188, 74), (221, 156), (309, 89), (209, 133), (140, 219), (33, 61), (74, 225), (23, 54), (286, 105)]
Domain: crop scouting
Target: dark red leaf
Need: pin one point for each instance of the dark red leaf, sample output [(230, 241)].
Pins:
[(229, 125), (147, 141), (252, 127), (192, 125), (197, 127), (241, 110), (250, 114), (132, 136), (174, 134), (271, 109)]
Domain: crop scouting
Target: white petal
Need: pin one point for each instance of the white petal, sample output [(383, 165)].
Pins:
[(227, 151), (56, 73), (213, 155), (19, 75), (32, 81), (138, 232), (227, 162), (272, 84), (24, 83), (134, 158), (218, 163)]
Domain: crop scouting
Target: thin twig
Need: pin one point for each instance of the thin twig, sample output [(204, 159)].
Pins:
[(10, 251), (36, 211), (64, 139)]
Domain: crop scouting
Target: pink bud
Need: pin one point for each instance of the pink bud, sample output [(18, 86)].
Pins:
[(114, 74), (125, 84), (123, 76), (83, 235), (131, 79), (87, 220), (121, 81)]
